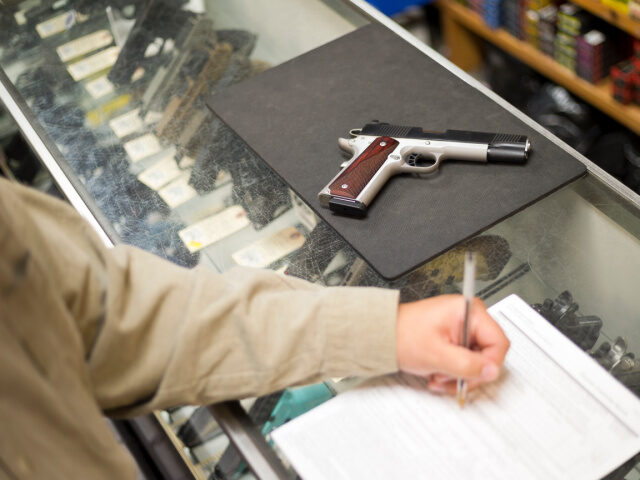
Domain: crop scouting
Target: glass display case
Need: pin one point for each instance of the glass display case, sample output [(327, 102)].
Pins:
[(110, 96)]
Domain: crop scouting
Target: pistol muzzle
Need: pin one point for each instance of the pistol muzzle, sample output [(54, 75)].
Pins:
[(509, 151)]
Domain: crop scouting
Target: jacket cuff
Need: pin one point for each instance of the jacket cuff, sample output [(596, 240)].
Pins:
[(360, 329)]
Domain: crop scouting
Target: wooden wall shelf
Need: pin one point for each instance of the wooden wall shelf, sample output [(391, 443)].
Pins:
[(458, 21), (615, 18)]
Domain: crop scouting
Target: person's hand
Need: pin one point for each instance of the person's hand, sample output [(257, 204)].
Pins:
[(428, 336)]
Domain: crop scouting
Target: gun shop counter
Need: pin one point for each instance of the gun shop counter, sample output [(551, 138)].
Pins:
[(111, 97)]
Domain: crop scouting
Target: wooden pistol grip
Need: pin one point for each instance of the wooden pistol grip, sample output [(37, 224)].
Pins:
[(359, 173)]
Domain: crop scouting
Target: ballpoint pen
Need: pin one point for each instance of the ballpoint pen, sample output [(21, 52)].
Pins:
[(468, 287)]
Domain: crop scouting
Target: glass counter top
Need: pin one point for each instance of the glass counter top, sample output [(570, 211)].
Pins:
[(111, 97)]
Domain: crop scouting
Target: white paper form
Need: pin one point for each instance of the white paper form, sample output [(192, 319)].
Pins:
[(554, 413)]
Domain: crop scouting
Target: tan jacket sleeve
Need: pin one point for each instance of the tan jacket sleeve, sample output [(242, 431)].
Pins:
[(158, 335)]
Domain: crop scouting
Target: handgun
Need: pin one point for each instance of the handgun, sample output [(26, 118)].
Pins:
[(562, 313), (190, 57), (162, 19), (380, 151)]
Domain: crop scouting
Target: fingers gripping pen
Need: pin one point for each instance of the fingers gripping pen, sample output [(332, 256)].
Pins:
[(380, 151)]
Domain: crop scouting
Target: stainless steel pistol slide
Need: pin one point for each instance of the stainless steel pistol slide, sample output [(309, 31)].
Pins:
[(380, 151)]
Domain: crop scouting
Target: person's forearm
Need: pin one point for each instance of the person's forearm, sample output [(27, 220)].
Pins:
[(195, 337), (154, 334)]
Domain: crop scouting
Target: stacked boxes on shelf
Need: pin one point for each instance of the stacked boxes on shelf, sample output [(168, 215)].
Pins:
[(532, 21), (547, 28), (475, 5), (492, 13), (511, 17), (532, 28), (594, 56), (625, 78), (572, 22), (621, 6), (624, 82), (490, 10)]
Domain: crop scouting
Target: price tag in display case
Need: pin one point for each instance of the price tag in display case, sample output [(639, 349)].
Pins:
[(269, 250), (213, 229), (99, 87), (83, 45), (57, 24), (160, 174), (142, 147), (126, 124), (177, 192), (95, 63)]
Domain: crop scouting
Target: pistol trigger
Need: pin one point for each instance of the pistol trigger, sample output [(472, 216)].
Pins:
[(418, 163), (412, 159)]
